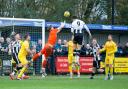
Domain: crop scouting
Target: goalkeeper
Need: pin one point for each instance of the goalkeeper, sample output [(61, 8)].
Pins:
[(48, 48)]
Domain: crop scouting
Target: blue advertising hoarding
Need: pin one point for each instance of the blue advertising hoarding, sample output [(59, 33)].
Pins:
[(6, 22)]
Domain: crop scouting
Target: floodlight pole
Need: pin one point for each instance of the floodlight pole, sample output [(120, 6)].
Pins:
[(113, 12)]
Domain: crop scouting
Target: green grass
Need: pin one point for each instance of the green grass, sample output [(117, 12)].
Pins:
[(63, 82)]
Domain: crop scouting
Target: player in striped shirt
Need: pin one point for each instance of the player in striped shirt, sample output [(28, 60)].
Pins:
[(15, 47), (96, 58)]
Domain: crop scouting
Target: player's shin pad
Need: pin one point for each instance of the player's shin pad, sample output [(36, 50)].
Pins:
[(35, 57)]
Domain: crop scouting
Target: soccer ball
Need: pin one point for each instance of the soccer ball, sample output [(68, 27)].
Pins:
[(66, 14)]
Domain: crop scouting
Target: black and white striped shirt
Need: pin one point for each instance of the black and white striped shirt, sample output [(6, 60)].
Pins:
[(16, 47), (95, 49), (78, 26)]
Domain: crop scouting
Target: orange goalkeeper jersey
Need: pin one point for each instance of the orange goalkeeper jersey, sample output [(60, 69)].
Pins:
[(52, 36)]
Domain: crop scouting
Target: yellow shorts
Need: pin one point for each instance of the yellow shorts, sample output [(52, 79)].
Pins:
[(109, 59), (23, 60), (70, 58)]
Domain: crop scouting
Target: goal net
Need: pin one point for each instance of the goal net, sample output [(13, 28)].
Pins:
[(34, 27)]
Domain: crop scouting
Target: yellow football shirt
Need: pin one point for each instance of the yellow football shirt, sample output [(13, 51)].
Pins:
[(23, 51), (21, 42), (110, 48)]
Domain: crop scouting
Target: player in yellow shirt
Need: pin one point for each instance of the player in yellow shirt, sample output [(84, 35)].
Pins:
[(110, 48), (24, 51), (71, 60)]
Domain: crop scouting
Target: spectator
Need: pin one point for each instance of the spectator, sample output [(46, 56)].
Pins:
[(38, 63), (39, 45), (33, 49), (83, 50), (0, 42), (8, 40), (1, 47), (4, 45), (119, 50), (58, 47), (65, 48), (126, 49), (8, 43), (88, 50), (103, 54), (4, 48)]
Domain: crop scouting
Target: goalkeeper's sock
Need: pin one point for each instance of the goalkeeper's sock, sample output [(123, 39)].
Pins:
[(44, 63), (111, 71), (22, 72), (43, 70), (35, 57), (106, 70)]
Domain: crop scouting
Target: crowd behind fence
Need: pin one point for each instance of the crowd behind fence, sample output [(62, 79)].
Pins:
[(60, 49)]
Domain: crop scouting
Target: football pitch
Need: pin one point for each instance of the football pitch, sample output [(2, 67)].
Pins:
[(64, 82)]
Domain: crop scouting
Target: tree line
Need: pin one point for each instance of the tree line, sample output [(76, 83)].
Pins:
[(91, 11)]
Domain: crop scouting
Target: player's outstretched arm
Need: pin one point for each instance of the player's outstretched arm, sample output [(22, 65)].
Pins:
[(61, 26), (87, 29)]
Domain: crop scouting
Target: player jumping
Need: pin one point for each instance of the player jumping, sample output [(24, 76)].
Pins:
[(48, 48), (77, 30), (110, 48)]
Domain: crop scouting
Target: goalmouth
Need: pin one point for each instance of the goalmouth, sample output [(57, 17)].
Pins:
[(35, 27)]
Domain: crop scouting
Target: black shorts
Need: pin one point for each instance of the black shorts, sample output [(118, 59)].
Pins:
[(96, 64), (15, 58), (78, 38)]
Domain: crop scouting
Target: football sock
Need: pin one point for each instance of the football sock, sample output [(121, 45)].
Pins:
[(22, 72), (70, 68), (106, 70), (93, 74), (111, 71), (44, 63)]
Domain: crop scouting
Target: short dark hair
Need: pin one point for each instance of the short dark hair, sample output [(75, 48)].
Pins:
[(74, 17), (26, 36), (49, 27)]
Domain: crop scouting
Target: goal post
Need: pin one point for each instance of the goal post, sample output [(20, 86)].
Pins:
[(35, 27)]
